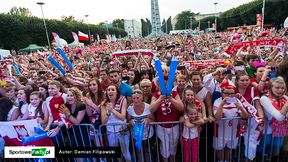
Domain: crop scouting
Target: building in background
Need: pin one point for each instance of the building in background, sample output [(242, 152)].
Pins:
[(133, 28)]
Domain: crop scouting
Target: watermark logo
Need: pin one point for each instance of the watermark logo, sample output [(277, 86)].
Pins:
[(39, 152), (29, 152)]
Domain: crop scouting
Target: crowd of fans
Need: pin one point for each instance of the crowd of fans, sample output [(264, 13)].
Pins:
[(242, 95)]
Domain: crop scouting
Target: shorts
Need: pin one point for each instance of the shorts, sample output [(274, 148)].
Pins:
[(169, 139), (221, 143)]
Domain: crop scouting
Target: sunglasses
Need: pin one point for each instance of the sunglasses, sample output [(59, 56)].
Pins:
[(137, 92), (145, 86), (228, 93)]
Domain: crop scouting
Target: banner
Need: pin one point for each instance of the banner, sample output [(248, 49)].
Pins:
[(133, 52), (12, 131), (233, 48), (203, 63)]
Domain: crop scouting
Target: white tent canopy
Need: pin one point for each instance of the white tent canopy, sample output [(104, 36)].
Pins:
[(4, 53), (286, 23)]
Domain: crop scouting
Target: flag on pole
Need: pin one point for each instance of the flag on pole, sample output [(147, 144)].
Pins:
[(98, 37), (82, 36), (56, 38)]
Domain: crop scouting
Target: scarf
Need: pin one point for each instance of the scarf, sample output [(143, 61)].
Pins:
[(279, 128)]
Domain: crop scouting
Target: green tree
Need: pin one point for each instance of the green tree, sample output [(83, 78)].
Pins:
[(71, 19), (144, 28), (169, 24), (21, 11), (184, 20), (17, 31), (149, 26), (118, 23)]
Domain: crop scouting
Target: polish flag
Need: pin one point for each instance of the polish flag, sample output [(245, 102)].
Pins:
[(82, 36), (12, 131)]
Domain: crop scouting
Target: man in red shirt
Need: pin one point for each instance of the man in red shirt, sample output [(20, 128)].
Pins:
[(167, 109)]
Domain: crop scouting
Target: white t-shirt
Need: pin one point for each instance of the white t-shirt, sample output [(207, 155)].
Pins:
[(270, 112), (202, 93), (228, 127), (31, 110), (9, 115), (145, 114), (24, 108), (112, 119), (189, 133)]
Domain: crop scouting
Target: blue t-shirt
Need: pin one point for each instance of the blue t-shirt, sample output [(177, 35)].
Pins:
[(125, 90)]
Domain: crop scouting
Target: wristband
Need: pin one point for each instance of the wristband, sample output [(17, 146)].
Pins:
[(262, 80), (68, 116)]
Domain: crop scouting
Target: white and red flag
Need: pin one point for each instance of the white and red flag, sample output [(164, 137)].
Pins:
[(82, 36), (12, 131)]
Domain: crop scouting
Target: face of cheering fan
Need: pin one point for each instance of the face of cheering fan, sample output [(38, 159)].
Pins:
[(189, 95), (112, 92), (35, 100), (278, 89), (71, 98), (93, 86)]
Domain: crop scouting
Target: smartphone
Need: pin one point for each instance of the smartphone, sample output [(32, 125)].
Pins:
[(228, 71), (239, 68), (31, 61), (231, 100), (125, 78), (42, 72), (274, 68), (180, 67)]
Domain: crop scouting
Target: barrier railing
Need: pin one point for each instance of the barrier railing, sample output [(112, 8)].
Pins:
[(232, 139)]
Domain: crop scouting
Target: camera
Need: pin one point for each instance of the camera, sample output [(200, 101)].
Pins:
[(231, 100), (274, 68), (180, 67)]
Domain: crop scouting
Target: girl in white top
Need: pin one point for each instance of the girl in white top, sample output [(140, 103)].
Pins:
[(139, 111), (36, 109), (192, 121), (23, 99), (275, 105), (113, 111), (203, 93)]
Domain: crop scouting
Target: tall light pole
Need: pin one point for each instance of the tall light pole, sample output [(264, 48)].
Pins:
[(208, 24), (199, 21), (88, 29), (191, 19), (107, 27), (215, 4), (263, 15), (41, 4)]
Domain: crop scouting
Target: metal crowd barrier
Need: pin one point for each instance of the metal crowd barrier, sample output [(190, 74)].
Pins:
[(152, 149)]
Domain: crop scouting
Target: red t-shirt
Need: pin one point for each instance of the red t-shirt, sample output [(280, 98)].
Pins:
[(266, 89), (104, 86), (54, 104), (167, 112), (248, 94)]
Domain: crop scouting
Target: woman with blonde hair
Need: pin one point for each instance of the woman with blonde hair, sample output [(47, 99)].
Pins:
[(146, 87), (75, 111)]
